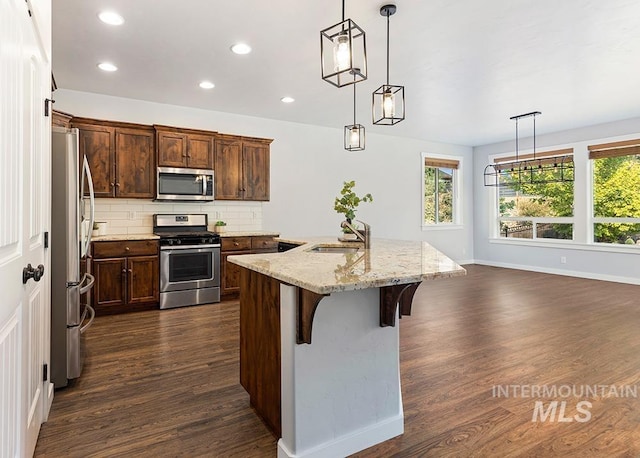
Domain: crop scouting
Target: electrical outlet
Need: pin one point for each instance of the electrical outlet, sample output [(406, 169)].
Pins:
[(563, 259)]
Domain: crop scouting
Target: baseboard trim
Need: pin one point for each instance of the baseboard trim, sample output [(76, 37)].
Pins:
[(567, 273), (350, 443)]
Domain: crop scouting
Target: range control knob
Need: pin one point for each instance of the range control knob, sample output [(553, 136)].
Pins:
[(170, 242), (178, 242)]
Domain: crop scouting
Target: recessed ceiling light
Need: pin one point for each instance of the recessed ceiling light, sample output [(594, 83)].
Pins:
[(207, 85), (287, 99), (111, 18), (107, 67), (241, 48)]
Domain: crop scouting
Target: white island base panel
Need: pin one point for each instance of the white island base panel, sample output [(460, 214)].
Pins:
[(340, 394)]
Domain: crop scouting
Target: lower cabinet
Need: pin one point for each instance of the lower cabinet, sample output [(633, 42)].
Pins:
[(127, 276), (232, 246)]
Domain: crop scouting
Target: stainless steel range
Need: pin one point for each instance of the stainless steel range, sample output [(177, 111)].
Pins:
[(189, 260)]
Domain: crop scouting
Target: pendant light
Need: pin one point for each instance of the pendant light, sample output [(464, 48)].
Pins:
[(549, 167), (354, 133), (388, 99), (343, 53)]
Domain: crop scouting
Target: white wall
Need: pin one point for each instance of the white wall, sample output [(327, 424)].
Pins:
[(581, 259), (308, 166)]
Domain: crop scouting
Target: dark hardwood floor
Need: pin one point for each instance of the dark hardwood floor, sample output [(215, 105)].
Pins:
[(166, 383)]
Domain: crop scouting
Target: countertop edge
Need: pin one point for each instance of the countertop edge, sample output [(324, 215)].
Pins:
[(249, 262)]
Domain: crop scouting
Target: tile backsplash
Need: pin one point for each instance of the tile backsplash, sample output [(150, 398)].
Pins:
[(133, 216)]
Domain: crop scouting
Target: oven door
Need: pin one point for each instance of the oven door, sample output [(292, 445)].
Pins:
[(189, 267)]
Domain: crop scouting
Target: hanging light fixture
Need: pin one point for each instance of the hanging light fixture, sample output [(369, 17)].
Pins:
[(343, 50), (354, 133), (388, 99), (548, 167)]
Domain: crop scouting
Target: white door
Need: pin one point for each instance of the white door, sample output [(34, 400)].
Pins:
[(24, 218)]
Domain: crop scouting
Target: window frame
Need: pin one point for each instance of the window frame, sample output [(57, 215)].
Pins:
[(496, 233), (592, 219), (457, 203)]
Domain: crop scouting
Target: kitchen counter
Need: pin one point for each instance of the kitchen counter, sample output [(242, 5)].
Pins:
[(249, 234), (116, 237), (340, 392), (388, 262)]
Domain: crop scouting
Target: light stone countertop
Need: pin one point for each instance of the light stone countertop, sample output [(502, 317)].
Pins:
[(116, 237), (249, 234), (388, 262)]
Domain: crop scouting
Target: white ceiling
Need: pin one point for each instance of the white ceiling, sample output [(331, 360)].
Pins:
[(467, 65)]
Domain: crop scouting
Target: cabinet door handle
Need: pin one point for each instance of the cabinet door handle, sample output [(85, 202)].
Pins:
[(124, 271), (117, 185), (127, 248), (111, 184), (235, 244)]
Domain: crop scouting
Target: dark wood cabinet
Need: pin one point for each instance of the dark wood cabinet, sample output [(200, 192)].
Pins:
[(185, 148), (127, 275), (243, 168), (60, 118), (121, 157), (255, 170), (230, 283), (97, 143), (109, 289), (135, 165)]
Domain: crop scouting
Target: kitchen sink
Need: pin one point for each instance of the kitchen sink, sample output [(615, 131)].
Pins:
[(334, 249)]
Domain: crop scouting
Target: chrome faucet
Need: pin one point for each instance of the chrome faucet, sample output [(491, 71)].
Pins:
[(364, 236)]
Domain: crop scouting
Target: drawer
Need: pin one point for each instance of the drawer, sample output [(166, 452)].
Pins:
[(236, 243), (264, 243), (120, 248)]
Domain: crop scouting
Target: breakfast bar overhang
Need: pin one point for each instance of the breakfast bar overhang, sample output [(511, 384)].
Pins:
[(319, 339)]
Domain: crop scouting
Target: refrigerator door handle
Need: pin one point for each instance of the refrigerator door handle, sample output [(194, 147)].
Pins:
[(92, 312), (86, 172), (89, 285)]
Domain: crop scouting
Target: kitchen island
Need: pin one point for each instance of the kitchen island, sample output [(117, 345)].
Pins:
[(319, 341)]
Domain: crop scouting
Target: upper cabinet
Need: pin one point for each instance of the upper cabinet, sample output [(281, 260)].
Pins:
[(124, 157), (121, 157), (242, 165), (185, 148), (60, 118)]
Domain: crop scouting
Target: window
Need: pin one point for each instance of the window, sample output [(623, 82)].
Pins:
[(616, 192), (440, 193), (532, 203)]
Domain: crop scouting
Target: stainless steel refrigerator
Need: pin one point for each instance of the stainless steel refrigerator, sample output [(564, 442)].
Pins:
[(70, 241)]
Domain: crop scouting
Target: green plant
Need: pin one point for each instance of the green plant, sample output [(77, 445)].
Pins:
[(220, 223), (347, 202)]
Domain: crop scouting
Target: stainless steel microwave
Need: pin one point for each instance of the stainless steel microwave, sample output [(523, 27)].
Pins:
[(184, 184)]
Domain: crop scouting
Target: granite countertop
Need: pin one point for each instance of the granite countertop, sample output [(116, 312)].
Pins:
[(388, 262), (116, 237), (249, 234)]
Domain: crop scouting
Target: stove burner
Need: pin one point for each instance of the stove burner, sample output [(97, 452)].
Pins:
[(184, 230), (188, 238)]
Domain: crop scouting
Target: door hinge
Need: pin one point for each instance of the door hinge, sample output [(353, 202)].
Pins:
[(47, 104), (46, 239), (45, 372)]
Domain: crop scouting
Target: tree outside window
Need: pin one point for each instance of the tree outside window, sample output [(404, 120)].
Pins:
[(439, 199), (616, 199), (537, 203)]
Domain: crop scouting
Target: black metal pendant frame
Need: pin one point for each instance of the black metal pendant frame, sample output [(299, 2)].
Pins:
[(380, 115), (356, 39)]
